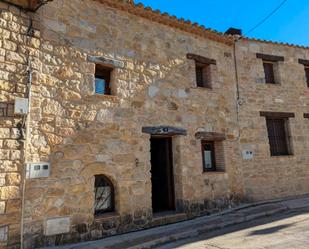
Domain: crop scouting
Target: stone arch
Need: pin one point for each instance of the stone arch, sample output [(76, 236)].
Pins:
[(104, 195), (94, 169)]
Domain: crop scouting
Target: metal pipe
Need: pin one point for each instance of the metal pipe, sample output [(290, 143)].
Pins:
[(28, 117), (29, 71)]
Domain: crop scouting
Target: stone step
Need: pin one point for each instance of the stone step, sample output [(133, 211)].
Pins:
[(167, 218)]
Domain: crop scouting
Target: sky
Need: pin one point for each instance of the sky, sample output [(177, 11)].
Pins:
[(289, 24)]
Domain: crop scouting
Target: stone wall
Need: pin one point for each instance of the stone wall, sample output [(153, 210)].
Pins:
[(14, 49), (268, 177), (83, 135)]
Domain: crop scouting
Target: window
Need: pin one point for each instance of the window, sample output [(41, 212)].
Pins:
[(6, 109), (203, 69), (208, 152), (307, 75), (104, 195), (202, 75), (278, 135), (102, 80), (4, 234), (271, 67), (269, 72)]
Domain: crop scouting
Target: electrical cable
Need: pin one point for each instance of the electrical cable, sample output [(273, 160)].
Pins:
[(267, 17)]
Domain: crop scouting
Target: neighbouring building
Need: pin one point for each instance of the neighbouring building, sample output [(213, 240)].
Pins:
[(115, 117)]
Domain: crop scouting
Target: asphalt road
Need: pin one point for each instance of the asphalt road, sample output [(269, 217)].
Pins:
[(289, 230)]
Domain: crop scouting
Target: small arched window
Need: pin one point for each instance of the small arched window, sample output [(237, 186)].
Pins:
[(104, 195)]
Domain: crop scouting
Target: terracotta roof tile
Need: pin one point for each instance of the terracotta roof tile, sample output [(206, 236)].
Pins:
[(169, 20), (188, 26), (276, 43)]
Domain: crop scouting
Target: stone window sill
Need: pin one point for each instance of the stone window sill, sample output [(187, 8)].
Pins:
[(202, 88), (284, 156), (218, 172), (104, 97), (267, 85), (107, 216)]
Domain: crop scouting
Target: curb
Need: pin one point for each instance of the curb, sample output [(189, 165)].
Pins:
[(207, 228)]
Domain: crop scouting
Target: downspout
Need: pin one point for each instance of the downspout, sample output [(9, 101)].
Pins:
[(28, 120), (239, 102), (29, 34), (236, 79)]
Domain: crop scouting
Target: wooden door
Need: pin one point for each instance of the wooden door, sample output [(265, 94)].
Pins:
[(162, 178)]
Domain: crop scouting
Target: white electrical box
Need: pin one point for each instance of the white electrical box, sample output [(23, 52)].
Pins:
[(38, 170), (247, 154), (21, 106)]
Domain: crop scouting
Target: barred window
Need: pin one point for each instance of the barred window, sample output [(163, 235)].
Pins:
[(278, 136), (104, 195), (6, 109)]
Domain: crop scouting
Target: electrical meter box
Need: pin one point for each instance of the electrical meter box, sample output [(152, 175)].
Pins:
[(38, 170), (21, 106)]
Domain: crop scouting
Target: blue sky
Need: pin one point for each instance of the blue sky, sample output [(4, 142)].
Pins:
[(290, 24)]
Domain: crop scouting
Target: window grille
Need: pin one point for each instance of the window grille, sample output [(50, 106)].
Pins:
[(104, 195), (6, 109)]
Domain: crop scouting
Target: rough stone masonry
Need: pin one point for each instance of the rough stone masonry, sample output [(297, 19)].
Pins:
[(91, 142)]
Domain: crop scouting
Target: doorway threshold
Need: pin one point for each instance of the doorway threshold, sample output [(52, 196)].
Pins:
[(164, 213), (167, 217)]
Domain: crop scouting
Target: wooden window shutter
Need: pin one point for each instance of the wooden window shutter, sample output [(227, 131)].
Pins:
[(269, 72), (307, 75), (199, 76), (277, 134)]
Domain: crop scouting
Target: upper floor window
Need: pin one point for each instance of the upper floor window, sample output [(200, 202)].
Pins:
[(203, 70), (202, 75), (307, 75), (104, 195), (270, 65), (278, 133), (306, 65), (102, 79), (269, 72)]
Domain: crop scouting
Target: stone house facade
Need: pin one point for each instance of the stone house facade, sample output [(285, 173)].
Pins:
[(138, 119)]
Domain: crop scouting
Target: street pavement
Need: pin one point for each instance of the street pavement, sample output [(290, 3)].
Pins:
[(288, 230)]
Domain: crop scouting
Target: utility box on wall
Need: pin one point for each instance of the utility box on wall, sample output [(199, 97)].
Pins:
[(21, 106), (38, 170), (247, 154)]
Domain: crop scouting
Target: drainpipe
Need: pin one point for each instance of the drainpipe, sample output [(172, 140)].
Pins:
[(237, 36), (28, 120), (237, 80), (29, 34)]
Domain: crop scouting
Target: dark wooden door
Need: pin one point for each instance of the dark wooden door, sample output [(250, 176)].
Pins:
[(162, 174)]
